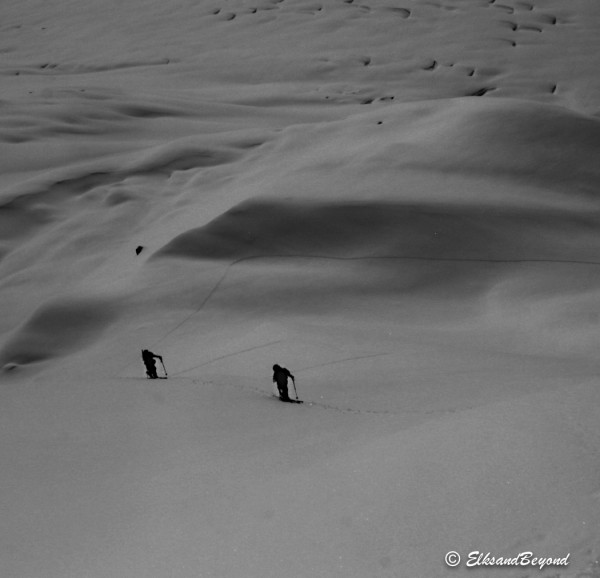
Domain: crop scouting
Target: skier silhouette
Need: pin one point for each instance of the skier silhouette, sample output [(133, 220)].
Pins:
[(148, 359), (280, 377)]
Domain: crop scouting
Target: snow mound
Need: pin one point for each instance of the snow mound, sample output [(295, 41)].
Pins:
[(57, 329), (544, 143), (267, 227)]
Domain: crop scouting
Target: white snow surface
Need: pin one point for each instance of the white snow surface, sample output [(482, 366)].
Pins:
[(398, 200)]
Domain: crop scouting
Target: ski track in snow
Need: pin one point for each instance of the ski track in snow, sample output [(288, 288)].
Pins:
[(221, 357), (283, 256), (332, 407)]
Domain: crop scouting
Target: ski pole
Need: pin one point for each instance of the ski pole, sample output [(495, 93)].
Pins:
[(163, 364)]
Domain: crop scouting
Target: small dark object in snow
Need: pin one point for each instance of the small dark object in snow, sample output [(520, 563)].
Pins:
[(139, 249)]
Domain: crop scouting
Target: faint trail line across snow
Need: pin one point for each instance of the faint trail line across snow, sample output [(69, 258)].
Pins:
[(404, 258), (343, 360), (337, 408), (307, 403), (200, 307), (232, 264), (227, 355)]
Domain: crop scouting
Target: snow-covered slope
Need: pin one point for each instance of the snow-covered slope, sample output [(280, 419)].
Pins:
[(395, 200)]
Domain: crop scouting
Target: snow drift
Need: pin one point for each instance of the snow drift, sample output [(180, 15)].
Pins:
[(396, 201)]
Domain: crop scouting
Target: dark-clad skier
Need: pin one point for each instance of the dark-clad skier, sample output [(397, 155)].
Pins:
[(148, 359), (280, 377)]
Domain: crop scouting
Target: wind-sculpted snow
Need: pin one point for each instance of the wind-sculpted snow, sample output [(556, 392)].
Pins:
[(396, 200), (550, 146), (56, 329), (270, 228)]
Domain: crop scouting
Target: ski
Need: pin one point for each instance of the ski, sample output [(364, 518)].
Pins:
[(289, 400)]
